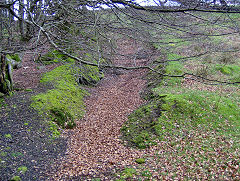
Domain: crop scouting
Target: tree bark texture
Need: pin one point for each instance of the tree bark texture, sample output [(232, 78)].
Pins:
[(21, 12), (6, 82)]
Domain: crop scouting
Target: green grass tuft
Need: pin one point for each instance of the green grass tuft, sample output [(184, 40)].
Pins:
[(16, 178), (228, 69), (173, 68), (128, 173), (22, 169)]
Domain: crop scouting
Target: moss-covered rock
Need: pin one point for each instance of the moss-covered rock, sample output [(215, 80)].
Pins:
[(140, 160), (89, 75), (139, 129), (64, 103), (86, 74), (54, 56), (15, 60)]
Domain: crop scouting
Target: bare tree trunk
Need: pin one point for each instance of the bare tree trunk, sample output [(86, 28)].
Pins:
[(29, 28), (1, 24), (21, 14), (6, 83)]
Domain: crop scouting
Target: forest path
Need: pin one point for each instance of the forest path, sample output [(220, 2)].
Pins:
[(94, 146)]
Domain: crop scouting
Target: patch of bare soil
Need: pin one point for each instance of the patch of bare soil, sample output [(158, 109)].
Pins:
[(94, 147), (29, 75)]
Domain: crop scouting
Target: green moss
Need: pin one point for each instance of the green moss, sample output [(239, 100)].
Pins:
[(16, 154), (1, 99), (28, 90), (169, 114), (66, 97), (22, 169), (170, 41), (62, 118), (128, 173), (3, 153), (54, 129), (228, 69), (8, 148), (140, 125), (173, 56), (140, 160), (16, 178), (58, 74), (8, 136), (225, 70), (236, 78), (173, 68), (88, 74), (64, 103), (54, 56), (14, 57)]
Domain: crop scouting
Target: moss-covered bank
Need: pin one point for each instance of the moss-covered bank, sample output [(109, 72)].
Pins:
[(173, 110), (64, 102)]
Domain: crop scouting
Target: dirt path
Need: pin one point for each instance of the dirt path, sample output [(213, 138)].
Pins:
[(94, 146), (29, 144), (29, 75)]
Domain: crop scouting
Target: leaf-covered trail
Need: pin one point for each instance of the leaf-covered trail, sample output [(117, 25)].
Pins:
[(94, 146)]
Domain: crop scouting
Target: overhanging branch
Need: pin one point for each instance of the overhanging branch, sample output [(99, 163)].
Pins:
[(173, 10)]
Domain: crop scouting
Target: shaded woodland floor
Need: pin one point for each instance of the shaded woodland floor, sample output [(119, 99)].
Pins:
[(27, 149), (95, 147), (94, 150)]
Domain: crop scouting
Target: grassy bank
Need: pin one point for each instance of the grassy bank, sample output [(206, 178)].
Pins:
[(194, 126)]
